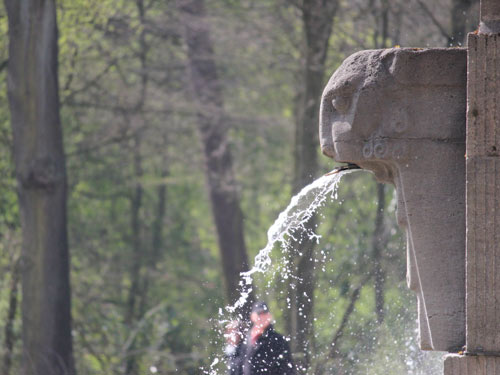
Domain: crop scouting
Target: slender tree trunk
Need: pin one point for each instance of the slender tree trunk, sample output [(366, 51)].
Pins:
[(397, 17), (11, 315), (136, 299), (41, 175), (222, 186), (383, 18), (157, 241), (380, 16), (379, 241), (135, 271), (317, 17), (334, 346)]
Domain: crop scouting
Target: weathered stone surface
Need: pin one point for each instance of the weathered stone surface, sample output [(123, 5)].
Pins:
[(483, 195), (400, 113), (490, 10), (471, 365), (490, 16)]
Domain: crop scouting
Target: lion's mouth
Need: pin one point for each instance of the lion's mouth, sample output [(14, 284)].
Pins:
[(343, 168)]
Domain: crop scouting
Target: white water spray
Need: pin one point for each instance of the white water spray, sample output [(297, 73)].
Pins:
[(291, 223), (300, 209), (292, 220)]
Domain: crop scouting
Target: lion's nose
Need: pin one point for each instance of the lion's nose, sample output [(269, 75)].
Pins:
[(326, 140), (325, 127)]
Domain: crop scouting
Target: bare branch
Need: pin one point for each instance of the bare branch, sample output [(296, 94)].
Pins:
[(433, 19), (299, 4), (98, 77), (334, 351)]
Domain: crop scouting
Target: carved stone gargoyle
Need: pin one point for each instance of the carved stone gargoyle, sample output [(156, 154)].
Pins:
[(400, 113)]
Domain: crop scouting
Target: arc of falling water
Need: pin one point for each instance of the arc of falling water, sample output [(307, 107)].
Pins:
[(287, 222)]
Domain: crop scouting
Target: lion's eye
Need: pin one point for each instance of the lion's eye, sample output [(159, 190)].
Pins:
[(341, 104)]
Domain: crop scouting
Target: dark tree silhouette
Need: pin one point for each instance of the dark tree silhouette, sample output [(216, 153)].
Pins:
[(317, 19), (41, 177), (208, 100)]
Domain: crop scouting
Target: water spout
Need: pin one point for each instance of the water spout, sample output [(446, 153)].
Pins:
[(347, 167)]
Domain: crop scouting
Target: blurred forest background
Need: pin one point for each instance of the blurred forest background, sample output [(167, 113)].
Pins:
[(188, 125)]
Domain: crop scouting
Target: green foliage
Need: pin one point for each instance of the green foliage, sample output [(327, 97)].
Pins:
[(130, 125)]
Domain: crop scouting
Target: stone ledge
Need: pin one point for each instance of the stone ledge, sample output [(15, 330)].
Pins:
[(455, 364)]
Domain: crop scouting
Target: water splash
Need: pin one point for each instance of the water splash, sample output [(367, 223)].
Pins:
[(290, 221), (290, 224)]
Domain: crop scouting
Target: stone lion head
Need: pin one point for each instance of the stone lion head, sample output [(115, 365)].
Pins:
[(400, 113)]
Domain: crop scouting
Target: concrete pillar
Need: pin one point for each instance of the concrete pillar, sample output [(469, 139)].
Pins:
[(483, 195), (482, 352), (490, 16)]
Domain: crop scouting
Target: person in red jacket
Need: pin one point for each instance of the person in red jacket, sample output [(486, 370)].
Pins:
[(265, 351)]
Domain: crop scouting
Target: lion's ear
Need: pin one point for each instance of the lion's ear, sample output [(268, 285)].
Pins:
[(388, 58), (427, 67)]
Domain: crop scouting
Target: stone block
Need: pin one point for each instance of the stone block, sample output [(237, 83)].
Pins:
[(483, 196), (490, 10), (471, 365)]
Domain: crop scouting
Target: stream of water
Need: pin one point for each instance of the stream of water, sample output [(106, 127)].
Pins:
[(291, 220)]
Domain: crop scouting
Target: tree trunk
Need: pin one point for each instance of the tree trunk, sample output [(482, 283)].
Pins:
[(157, 241), (222, 186), (317, 18), (11, 315), (379, 241), (41, 176), (381, 15), (136, 298), (135, 270)]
